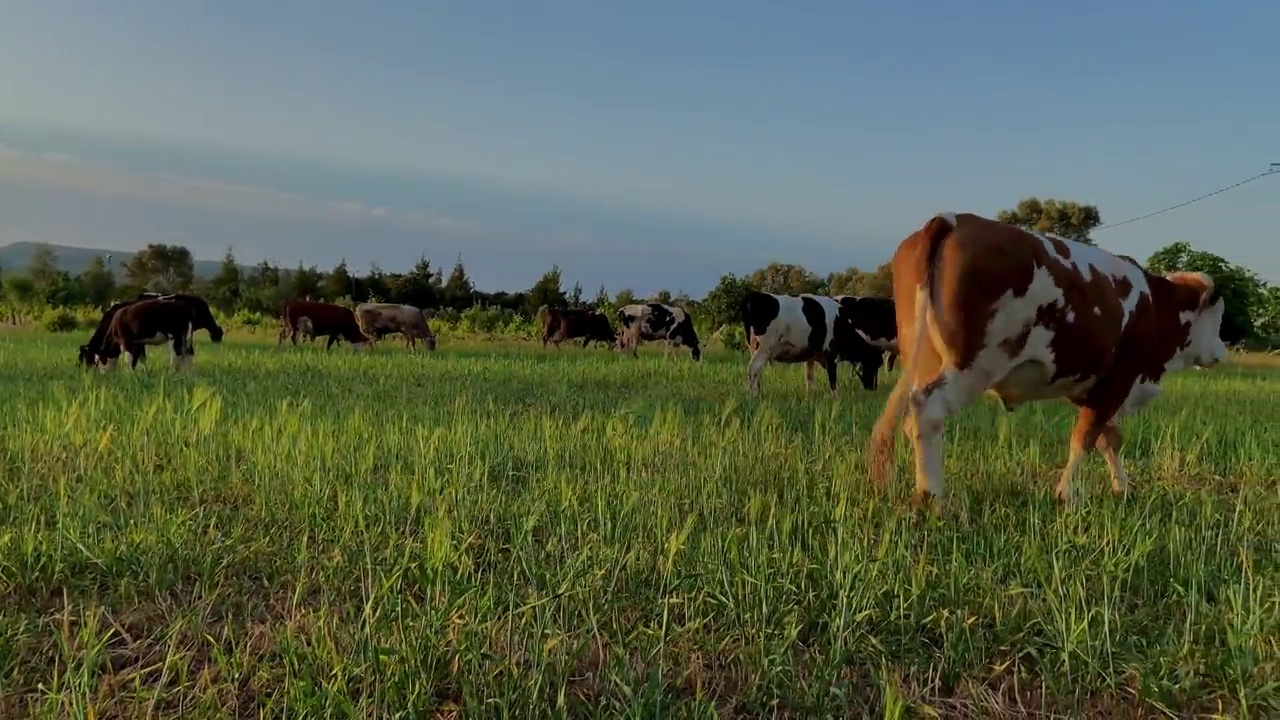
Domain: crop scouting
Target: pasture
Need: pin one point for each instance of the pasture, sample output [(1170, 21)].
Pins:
[(497, 529)]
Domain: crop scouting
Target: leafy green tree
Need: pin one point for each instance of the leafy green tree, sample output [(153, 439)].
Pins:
[(1066, 218), (43, 269), (97, 283), (458, 289), (1243, 292), (305, 282), (226, 288), (339, 283), (1267, 317), (786, 279), (161, 268), (545, 292), (723, 304)]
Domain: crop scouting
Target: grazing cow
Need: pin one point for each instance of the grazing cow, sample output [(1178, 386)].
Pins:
[(560, 324), (202, 317), (149, 322), (875, 318), (320, 318), (656, 321), (809, 329), (378, 320), (990, 308)]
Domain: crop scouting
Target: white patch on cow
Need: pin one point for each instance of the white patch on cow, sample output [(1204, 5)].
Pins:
[(950, 217), (1204, 347), (1024, 377), (1086, 259)]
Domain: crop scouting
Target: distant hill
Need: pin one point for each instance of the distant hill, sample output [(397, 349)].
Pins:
[(17, 256)]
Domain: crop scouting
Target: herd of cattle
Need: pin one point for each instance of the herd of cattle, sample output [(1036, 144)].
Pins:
[(780, 328), (983, 308)]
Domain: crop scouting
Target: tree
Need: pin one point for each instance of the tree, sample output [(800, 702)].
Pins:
[(662, 296), (625, 296), (376, 286), (575, 296), (305, 281), (603, 303), (97, 283), (1242, 291), (43, 269), (545, 292), (339, 284), (1066, 218), (1267, 320), (785, 279), (723, 305), (225, 288), (458, 289), (421, 287), (161, 268)]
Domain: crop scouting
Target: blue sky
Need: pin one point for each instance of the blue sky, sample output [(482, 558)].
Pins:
[(647, 145)]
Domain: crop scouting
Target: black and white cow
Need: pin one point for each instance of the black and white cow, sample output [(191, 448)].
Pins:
[(809, 329), (875, 317), (656, 321)]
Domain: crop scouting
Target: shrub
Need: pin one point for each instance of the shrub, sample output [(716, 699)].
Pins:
[(59, 320)]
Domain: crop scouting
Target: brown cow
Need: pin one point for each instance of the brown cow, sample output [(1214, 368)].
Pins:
[(149, 322), (560, 324), (320, 318), (984, 307)]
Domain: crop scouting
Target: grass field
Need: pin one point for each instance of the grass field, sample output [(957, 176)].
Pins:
[(500, 530)]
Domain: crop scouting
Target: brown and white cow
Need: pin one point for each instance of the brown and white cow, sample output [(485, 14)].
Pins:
[(560, 324), (378, 320), (149, 322), (984, 307), (321, 318)]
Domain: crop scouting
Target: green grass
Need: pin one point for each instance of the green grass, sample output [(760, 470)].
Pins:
[(497, 530)]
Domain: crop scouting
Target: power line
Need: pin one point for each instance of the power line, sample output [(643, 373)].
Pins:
[(1275, 169)]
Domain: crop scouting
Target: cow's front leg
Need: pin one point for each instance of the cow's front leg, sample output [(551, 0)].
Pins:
[(808, 376), (1109, 445), (137, 354), (830, 366), (759, 359), (1091, 423)]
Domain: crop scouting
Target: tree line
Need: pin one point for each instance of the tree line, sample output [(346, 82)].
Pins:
[(1253, 306)]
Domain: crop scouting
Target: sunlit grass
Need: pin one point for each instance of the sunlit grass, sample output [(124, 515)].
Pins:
[(496, 529)]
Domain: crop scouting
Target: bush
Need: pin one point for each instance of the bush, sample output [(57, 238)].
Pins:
[(732, 337), (59, 320)]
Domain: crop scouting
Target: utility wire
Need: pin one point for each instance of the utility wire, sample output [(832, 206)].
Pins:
[(1272, 171)]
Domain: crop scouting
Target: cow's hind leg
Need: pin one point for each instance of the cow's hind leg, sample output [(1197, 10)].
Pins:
[(808, 376), (1109, 445), (931, 405), (759, 359)]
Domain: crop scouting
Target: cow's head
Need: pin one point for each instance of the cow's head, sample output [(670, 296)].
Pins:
[(430, 342), (869, 370), (853, 346), (1203, 310), (88, 357)]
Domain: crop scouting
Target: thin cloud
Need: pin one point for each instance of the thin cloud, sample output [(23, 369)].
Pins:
[(57, 170)]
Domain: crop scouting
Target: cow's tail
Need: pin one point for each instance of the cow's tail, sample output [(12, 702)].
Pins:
[(885, 430), (744, 312)]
